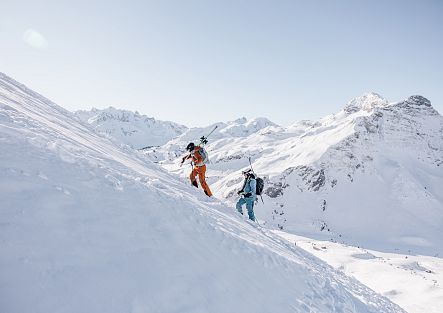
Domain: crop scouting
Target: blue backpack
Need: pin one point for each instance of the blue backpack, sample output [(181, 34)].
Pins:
[(204, 155)]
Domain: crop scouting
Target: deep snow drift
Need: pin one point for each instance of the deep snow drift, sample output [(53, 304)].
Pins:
[(87, 226)]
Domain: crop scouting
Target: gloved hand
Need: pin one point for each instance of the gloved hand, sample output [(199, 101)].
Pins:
[(247, 195)]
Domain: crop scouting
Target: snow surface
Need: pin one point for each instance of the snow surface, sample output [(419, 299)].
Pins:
[(412, 281), (90, 226)]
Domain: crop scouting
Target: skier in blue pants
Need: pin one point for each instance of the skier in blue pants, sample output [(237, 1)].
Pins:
[(248, 193)]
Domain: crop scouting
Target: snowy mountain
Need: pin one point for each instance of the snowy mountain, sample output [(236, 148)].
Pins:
[(131, 128), (89, 226), (222, 133), (369, 175)]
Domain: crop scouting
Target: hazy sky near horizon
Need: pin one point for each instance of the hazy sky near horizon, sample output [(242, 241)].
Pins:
[(199, 62)]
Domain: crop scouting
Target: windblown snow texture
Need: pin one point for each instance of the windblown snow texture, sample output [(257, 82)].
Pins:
[(87, 226)]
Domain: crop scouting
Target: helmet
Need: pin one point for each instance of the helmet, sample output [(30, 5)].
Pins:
[(247, 172), (190, 146)]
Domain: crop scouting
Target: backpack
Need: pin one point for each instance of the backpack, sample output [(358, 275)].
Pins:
[(260, 184), (204, 155)]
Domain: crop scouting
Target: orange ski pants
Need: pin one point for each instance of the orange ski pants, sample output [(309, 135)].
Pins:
[(201, 171)]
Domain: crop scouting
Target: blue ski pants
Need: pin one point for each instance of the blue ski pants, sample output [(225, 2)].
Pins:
[(249, 206)]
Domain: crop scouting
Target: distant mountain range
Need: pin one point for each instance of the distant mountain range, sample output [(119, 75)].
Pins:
[(136, 130)]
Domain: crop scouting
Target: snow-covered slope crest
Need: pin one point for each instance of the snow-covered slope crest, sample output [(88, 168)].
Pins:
[(89, 227), (131, 128)]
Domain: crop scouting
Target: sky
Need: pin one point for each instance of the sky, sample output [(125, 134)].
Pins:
[(200, 62)]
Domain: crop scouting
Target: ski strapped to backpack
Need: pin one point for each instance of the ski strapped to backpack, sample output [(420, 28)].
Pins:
[(260, 183), (204, 139), (202, 151), (203, 142)]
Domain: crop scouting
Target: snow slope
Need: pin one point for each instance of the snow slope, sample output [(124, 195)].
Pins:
[(369, 175), (131, 128), (87, 226), (412, 281)]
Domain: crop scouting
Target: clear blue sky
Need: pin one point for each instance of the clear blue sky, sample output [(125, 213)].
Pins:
[(198, 62)]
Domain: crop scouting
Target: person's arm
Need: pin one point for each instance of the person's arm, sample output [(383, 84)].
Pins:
[(253, 187), (185, 158), (242, 187)]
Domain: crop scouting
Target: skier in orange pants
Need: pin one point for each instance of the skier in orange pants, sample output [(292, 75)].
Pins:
[(199, 158)]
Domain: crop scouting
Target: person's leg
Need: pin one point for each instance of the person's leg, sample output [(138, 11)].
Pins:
[(202, 178), (250, 207), (239, 204), (192, 177)]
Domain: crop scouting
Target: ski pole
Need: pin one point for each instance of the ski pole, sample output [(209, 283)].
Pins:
[(216, 126), (204, 139)]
